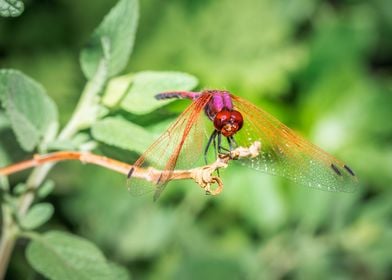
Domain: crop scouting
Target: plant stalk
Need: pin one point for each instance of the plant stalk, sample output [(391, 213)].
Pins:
[(8, 238)]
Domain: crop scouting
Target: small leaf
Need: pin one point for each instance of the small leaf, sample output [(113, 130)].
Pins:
[(11, 8), (37, 216), (31, 112), (73, 144), (45, 189), (140, 97), (121, 133), (116, 89), (80, 139), (19, 188), (59, 255), (58, 145), (113, 39)]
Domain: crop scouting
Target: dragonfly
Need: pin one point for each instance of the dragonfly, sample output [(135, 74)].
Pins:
[(221, 121)]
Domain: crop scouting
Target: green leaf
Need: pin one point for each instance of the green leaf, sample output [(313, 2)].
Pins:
[(123, 134), (116, 89), (119, 272), (73, 144), (19, 189), (59, 255), (45, 189), (59, 145), (37, 216), (140, 97), (113, 39), (31, 112), (11, 8)]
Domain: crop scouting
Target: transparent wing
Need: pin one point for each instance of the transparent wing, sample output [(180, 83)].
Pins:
[(180, 146), (286, 154)]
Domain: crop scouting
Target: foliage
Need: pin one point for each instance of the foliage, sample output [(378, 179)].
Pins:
[(112, 41), (59, 255), (322, 67), (31, 112), (11, 8)]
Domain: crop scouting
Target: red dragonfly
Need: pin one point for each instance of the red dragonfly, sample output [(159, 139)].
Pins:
[(283, 152)]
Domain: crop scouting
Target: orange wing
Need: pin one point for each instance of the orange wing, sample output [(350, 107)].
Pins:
[(179, 146), (286, 154)]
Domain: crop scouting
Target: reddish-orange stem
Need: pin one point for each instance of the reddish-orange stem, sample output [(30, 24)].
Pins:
[(202, 175), (84, 157)]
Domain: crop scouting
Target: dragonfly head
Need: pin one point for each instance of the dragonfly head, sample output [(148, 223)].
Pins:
[(228, 122)]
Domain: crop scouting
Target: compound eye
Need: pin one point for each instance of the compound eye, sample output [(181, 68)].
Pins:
[(221, 118), (237, 118)]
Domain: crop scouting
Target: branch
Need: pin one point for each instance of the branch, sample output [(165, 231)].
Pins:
[(203, 175)]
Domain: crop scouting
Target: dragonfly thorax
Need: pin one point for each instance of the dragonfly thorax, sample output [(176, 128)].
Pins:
[(228, 122)]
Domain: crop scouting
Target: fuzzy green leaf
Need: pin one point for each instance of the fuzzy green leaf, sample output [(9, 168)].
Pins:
[(31, 112), (121, 133), (46, 188), (11, 8), (19, 189), (59, 255), (116, 89), (140, 97), (113, 40), (119, 272), (37, 216)]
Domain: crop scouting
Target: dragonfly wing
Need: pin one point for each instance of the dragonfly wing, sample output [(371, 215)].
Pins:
[(286, 154), (179, 146)]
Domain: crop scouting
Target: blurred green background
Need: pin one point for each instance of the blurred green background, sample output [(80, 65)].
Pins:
[(322, 67)]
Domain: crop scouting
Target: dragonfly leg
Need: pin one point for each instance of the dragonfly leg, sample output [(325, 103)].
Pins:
[(215, 150), (210, 140), (215, 146), (234, 142), (219, 143), (221, 149), (230, 144)]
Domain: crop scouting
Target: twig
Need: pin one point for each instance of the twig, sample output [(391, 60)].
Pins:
[(8, 234), (83, 157), (202, 175)]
